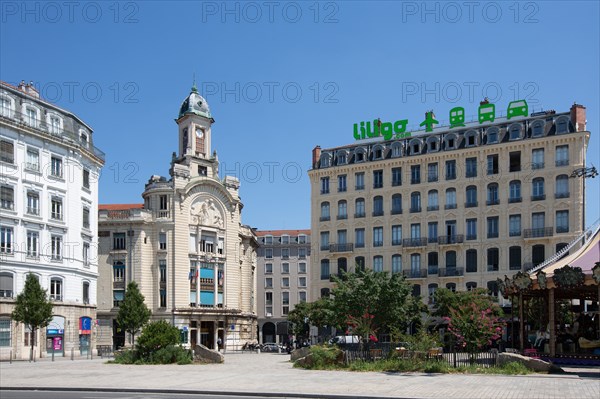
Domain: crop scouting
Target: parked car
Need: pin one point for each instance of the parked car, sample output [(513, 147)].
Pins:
[(269, 347)]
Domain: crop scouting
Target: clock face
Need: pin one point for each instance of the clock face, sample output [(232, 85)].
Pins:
[(199, 133)]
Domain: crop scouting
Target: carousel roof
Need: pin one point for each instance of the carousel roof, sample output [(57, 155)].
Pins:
[(585, 257)]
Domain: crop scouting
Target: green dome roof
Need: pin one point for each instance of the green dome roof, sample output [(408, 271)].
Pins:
[(195, 104)]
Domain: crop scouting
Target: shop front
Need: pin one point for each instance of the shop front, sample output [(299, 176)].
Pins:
[(55, 336)]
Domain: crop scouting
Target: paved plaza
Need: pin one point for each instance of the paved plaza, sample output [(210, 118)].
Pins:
[(270, 373)]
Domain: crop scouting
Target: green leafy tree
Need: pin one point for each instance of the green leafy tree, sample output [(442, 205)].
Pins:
[(370, 302), (133, 312), (32, 307), (157, 335), (299, 317)]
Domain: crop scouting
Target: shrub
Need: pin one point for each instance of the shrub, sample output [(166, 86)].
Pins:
[(171, 354), (325, 357), (127, 356), (156, 335)]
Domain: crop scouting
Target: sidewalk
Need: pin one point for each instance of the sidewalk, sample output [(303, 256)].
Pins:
[(273, 374)]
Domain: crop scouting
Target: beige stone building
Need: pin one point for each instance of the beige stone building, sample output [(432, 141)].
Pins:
[(455, 207), (185, 246)]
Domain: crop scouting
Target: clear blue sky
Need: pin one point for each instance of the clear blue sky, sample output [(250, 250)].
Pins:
[(282, 77)]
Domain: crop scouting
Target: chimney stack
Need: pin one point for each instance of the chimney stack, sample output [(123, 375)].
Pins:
[(316, 155), (28, 88), (578, 117)]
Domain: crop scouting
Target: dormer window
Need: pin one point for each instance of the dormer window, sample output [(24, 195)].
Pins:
[(415, 147), (285, 239), (377, 152), (342, 158), (514, 132), (396, 150), (537, 128), (268, 240), (83, 138), (562, 125), (471, 138), (54, 124), (359, 155), (325, 160), (450, 142), (6, 106), (31, 116), (492, 135), (433, 144)]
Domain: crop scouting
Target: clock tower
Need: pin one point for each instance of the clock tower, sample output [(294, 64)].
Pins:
[(195, 123)]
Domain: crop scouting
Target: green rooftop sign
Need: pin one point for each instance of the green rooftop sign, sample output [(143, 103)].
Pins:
[(397, 129)]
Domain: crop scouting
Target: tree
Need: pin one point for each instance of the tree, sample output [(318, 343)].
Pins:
[(33, 307), (133, 312), (299, 318), (370, 302)]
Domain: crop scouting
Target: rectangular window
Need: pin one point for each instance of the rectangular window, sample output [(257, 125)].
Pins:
[(471, 167), (118, 272), (86, 178), (324, 185), (302, 253), (415, 230), (118, 241), (450, 170), (325, 240), (269, 282), (301, 296), (359, 238), (268, 253), (56, 247), (301, 268), (471, 227), (562, 155), (268, 268), (56, 166), (378, 264), (33, 203), (162, 241), (33, 243), (325, 269), (285, 253), (538, 220), (33, 159), (56, 208), (301, 281), (341, 183), (432, 231), (537, 158), (514, 163), (86, 254), (86, 218), (377, 236), (6, 240), (7, 197), (514, 258), (562, 221), (396, 176), (5, 333), (7, 151), (377, 178), (514, 225), (285, 239), (432, 172), (492, 164), (285, 302), (360, 181), (415, 174), (492, 224), (285, 268), (397, 235), (301, 239)]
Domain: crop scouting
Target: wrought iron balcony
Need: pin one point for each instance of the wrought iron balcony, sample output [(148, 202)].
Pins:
[(562, 195), (451, 271), (415, 242), (421, 273), (432, 270), (347, 247), (433, 207), (539, 197), (471, 204), (453, 239), (538, 233)]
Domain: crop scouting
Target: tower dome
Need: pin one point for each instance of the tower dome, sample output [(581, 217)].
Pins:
[(195, 104)]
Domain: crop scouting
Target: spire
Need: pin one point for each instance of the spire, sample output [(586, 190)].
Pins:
[(194, 88)]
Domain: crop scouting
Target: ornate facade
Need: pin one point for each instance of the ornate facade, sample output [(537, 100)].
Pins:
[(185, 246)]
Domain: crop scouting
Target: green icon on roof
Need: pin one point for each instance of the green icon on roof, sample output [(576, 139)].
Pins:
[(429, 121), (517, 108), (457, 117), (487, 111)]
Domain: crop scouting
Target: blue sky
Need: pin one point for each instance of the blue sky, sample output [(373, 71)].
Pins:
[(281, 77)]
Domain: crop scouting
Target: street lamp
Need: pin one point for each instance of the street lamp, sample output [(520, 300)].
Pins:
[(584, 173)]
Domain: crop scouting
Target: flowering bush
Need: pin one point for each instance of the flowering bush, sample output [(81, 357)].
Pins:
[(474, 327)]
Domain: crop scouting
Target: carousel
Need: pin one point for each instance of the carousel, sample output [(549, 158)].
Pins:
[(558, 304)]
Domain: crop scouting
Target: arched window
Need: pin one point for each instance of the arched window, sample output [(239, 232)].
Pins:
[(514, 188), (471, 261), (360, 154), (471, 197), (471, 285), (396, 204), (396, 149), (415, 146), (378, 205), (537, 189), (325, 215), (492, 194), (56, 289), (451, 287), (562, 186), (451, 260), (433, 144), (7, 106), (431, 288), (492, 135), (537, 128), (378, 263), (359, 263), (450, 142), (359, 211), (515, 131), (342, 266), (432, 200), (471, 138), (342, 209), (325, 160), (450, 198), (325, 269), (396, 263), (562, 124)]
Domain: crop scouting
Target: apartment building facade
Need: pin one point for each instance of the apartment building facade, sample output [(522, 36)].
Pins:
[(48, 206), (185, 246), (282, 280), (457, 207)]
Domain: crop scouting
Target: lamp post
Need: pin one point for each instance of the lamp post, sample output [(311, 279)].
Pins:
[(584, 173)]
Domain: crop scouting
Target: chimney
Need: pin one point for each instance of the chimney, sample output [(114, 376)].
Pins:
[(21, 86), (31, 90), (316, 155), (578, 117)]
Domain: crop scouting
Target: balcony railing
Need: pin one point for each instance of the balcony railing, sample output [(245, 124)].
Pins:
[(537, 165), (342, 217), (433, 207), (396, 211), (539, 197), (415, 242), (377, 213), (562, 195), (163, 213), (451, 271), (63, 135), (450, 206), (494, 201), (347, 247), (471, 204), (359, 215), (513, 200), (492, 268), (538, 233), (421, 273), (562, 162), (415, 209), (324, 218), (453, 239), (119, 285), (432, 270)]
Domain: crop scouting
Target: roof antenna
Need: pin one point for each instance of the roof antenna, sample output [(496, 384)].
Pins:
[(194, 88)]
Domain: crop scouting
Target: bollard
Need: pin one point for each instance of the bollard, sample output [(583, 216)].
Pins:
[(52, 353), (10, 359), (72, 354)]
